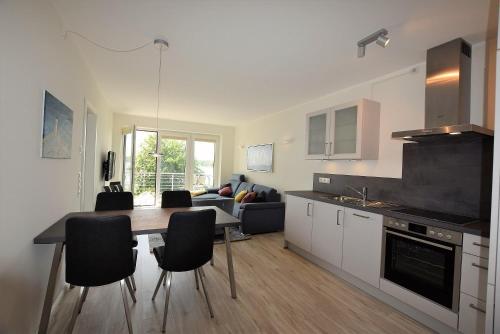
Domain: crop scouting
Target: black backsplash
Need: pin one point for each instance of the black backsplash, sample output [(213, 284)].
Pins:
[(453, 177)]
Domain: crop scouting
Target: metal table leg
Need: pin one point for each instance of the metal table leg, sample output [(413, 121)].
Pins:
[(229, 256), (51, 285)]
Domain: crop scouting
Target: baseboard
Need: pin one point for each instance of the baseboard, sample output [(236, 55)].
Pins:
[(397, 304)]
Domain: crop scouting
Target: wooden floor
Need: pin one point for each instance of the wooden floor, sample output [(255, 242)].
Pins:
[(278, 292)]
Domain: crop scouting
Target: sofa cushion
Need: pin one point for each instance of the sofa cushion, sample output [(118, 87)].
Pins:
[(243, 186), (266, 194), (207, 196), (239, 197), (249, 198), (226, 191)]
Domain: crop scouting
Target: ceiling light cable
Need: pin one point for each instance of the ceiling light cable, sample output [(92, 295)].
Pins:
[(105, 47)]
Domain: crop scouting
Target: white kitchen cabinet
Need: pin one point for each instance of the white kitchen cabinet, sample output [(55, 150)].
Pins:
[(474, 276), (346, 132), (298, 221), (327, 232), (471, 319), (362, 245), (318, 134)]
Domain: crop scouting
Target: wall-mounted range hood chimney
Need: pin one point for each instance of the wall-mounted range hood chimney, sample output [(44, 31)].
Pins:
[(447, 95)]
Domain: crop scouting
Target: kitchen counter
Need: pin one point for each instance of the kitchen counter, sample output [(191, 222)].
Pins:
[(481, 228)]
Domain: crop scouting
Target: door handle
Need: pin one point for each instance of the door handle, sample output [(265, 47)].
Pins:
[(472, 306), (338, 215), (360, 216), (479, 266), (308, 207)]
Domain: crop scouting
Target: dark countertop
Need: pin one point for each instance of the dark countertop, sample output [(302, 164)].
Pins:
[(481, 228)]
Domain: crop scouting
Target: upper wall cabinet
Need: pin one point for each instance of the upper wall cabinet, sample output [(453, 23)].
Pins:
[(349, 131)]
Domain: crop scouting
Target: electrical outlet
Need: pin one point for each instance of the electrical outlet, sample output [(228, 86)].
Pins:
[(324, 180)]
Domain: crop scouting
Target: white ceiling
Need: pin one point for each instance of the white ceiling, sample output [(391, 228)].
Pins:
[(232, 61)]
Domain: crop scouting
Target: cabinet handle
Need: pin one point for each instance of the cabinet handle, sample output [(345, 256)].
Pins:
[(472, 306), (480, 245), (479, 266), (330, 150), (308, 206), (326, 149), (360, 216), (338, 219)]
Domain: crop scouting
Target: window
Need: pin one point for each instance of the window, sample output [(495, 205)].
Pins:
[(187, 161)]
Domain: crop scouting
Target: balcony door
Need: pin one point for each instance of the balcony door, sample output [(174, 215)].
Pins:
[(187, 161)]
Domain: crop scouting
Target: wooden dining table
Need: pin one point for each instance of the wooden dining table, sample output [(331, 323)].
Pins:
[(144, 221)]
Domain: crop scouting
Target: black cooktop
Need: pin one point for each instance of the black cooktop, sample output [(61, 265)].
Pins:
[(444, 217)]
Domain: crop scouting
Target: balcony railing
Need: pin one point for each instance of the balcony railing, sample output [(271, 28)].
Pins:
[(146, 182)]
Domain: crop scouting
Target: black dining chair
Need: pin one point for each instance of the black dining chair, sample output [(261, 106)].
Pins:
[(190, 242), (107, 189), (116, 186), (110, 201), (175, 199), (99, 252)]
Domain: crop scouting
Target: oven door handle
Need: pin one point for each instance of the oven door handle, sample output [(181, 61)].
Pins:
[(420, 240)]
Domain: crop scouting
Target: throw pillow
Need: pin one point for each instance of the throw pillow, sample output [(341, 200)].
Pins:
[(240, 195), (225, 185), (249, 198), (226, 191), (195, 193)]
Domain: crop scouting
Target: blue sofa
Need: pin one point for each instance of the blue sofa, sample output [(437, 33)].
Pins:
[(266, 214)]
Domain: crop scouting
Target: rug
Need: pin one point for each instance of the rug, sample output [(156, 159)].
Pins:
[(155, 240)]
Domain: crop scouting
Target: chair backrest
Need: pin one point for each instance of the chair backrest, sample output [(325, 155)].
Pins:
[(116, 186), (98, 250), (114, 201), (107, 189), (190, 240), (176, 199)]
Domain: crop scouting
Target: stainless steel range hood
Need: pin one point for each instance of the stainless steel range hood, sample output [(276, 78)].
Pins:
[(447, 95)]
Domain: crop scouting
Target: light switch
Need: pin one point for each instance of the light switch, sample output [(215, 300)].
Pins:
[(324, 180)]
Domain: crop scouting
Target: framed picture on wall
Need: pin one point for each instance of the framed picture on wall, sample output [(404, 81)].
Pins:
[(57, 129), (260, 158)]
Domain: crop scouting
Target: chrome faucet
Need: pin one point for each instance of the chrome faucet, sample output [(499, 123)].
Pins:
[(363, 193)]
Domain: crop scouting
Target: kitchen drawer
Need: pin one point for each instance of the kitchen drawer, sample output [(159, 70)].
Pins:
[(476, 245), (474, 276), (472, 315)]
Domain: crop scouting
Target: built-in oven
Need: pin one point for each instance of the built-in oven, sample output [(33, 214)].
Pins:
[(423, 259)]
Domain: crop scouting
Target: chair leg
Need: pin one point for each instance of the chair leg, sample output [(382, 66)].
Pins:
[(164, 280), (202, 275), (125, 305), (74, 315), (212, 261), (132, 279), (84, 297), (196, 279), (130, 290), (167, 297), (158, 284)]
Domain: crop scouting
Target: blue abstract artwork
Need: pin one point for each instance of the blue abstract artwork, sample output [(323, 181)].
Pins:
[(57, 128)]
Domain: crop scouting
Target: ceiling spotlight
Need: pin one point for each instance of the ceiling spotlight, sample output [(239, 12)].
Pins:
[(380, 37)]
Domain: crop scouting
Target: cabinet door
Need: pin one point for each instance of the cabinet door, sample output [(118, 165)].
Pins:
[(327, 232), (346, 132), (318, 134), (362, 246), (298, 221)]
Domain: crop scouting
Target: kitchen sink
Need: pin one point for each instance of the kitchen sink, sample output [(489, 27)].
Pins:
[(358, 201)]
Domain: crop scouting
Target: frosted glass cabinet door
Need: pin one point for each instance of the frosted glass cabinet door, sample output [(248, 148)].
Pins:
[(317, 134), (345, 130)]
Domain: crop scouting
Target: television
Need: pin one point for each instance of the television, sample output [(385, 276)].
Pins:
[(109, 166)]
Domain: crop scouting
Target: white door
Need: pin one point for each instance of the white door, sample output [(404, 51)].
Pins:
[(298, 221), (327, 232), (87, 202), (362, 247)]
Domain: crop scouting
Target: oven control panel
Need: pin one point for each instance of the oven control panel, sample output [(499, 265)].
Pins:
[(437, 233)]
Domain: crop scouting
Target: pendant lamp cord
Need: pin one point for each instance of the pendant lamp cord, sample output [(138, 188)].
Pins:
[(105, 47)]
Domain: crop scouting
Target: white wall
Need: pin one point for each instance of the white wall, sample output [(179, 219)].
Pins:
[(226, 134), (401, 95), (35, 192)]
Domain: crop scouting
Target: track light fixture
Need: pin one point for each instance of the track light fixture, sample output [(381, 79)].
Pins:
[(380, 37)]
